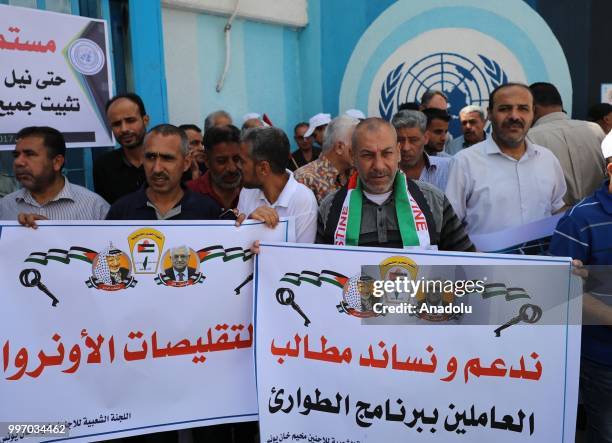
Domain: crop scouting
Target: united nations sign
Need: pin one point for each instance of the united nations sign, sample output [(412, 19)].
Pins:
[(465, 48)]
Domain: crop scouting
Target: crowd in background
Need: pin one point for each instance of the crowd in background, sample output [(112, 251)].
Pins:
[(360, 181)]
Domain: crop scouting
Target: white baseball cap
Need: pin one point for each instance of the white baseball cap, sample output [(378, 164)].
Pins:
[(606, 145), (250, 115), (316, 121), (356, 113)]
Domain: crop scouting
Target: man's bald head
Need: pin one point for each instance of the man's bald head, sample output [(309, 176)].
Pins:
[(376, 154), (371, 125)]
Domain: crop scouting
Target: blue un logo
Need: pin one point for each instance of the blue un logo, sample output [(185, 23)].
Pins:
[(464, 81)]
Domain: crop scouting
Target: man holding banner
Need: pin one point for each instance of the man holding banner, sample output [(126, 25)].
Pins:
[(381, 207), (39, 158), (585, 234), (166, 158)]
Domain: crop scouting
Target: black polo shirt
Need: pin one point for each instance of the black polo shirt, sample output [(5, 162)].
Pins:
[(114, 176), (298, 157), (136, 206)]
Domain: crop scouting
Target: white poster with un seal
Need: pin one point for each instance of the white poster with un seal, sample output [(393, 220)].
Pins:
[(112, 329), (339, 360), (54, 71)]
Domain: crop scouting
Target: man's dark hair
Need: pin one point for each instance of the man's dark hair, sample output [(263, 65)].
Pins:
[(220, 134), (268, 144), (135, 98), (599, 111), (408, 106), (505, 85), (167, 130), (299, 125), (52, 139), (190, 127), (436, 114), (545, 94), (431, 93)]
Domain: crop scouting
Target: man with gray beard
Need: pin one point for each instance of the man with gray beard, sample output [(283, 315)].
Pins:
[(223, 179)]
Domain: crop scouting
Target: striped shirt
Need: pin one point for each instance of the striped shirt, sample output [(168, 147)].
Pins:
[(585, 233), (436, 170), (73, 202)]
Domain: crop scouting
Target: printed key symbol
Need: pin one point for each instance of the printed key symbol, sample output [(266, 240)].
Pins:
[(289, 300), (25, 280), (533, 316)]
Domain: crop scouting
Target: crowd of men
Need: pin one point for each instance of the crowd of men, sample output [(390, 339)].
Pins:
[(519, 162)]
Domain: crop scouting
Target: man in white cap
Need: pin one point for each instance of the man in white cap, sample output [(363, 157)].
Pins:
[(356, 113), (585, 234), (252, 120), (316, 127), (305, 138)]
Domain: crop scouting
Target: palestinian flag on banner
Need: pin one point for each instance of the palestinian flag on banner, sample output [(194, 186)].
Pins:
[(227, 254), (62, 255), (498, 289), (145, 247), (315, 278)]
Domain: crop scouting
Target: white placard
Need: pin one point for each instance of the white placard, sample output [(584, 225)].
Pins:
[(131, 347), (54, 71), (346, 377)]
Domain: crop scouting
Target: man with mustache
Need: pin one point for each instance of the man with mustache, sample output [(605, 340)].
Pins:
[(166, 158), (46, 194), (437, 131), (270, 191), (505, 180), (381, 207), (222, 180), (414, 161), (196, 148), (120, 171), (473, 121)]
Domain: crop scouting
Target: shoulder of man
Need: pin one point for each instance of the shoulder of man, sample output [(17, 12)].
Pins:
[(82, 191), (205, 202), (304, 173), (304, 194), (328, 200), (119, 210), (433, 195), (108, 158)]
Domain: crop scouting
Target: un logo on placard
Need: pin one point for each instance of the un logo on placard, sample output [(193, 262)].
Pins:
[(464, 81)]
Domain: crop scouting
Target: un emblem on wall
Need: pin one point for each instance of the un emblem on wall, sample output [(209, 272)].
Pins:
[(465, 81)]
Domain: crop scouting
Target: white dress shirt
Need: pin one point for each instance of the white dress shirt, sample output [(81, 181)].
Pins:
[(491, 191), (295, 200)]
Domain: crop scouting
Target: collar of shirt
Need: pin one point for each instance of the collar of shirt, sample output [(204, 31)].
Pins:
[(126, 162), (284, 198), (143, 201), (604, 197), (65, 194), (431, 162), (490, 147), (552, 117)]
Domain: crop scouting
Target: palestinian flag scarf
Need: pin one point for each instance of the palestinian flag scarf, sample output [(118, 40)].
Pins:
[(412, 224)]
